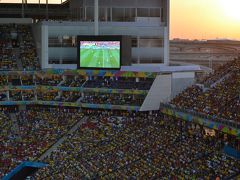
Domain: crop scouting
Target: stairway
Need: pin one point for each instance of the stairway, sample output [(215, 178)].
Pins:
[(16, 51), (220, 80), (15, 127), (62, 139)]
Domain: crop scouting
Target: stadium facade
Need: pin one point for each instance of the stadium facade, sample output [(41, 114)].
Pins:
[(147, 22)]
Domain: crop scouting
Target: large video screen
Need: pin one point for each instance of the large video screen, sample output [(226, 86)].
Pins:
[(99, 53)]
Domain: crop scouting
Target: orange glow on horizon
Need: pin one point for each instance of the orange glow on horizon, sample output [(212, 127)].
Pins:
[(205, 19)]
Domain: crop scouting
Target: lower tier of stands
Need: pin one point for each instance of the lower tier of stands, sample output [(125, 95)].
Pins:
[(141, 146), (112, 144)]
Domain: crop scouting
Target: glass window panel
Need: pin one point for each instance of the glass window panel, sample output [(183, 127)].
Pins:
[(142, 12), (118, 14), (154, 12)]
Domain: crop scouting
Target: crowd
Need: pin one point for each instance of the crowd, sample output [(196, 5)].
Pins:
[(51, 80), (138, 146), (16, 44), (3, 80), (119, 83), (220, 100), (15, 95), (114, 99), (220, 72), (44, 95), (28, 95), (78, 81), (28, 54), (27, 80), (14, 80), (31, 133), (7, 55), (73, 81), (73, 95), (69, 96)]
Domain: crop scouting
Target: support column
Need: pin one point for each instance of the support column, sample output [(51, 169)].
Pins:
[(46, 9), (85, 13), (23, 2), (44, 47), (138, 47), (96, 18), (166, 35), (106, 14)]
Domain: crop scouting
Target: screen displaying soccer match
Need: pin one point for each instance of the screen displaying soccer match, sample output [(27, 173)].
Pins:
[(100, 54)]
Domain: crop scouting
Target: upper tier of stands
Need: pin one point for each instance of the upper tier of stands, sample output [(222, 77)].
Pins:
[(219, 97), (25, 79), (17, 48), (119, 83), (35, 87)]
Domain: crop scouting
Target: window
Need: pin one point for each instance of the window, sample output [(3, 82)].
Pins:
[(117, 14), (154, 12), (142, 12)]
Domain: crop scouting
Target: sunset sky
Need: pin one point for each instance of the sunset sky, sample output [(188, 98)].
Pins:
[(199, 19), (205, 19)]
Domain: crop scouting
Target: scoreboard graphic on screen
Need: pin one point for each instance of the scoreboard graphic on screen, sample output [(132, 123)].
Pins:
[(99, 52)]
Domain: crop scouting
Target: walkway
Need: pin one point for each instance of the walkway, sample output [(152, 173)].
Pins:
[(61, 140)]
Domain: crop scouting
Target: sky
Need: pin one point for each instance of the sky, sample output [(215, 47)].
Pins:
[(198, 19), (205, 19)]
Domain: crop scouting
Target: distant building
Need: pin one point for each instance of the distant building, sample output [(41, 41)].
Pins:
[(209, 53)]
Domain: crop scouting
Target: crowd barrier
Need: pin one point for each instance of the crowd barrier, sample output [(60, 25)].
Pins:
[(232, 152), (102, 73), (75, 89), (70, 104), (212, 123), (24, 170)]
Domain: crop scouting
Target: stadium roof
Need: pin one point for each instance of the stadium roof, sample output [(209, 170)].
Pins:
[(34, 1)]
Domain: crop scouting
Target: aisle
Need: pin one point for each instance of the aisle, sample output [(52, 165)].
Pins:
[(62, 139)]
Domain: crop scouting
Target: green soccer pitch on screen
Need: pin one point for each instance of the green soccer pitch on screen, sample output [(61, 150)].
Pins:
[(100, 54)]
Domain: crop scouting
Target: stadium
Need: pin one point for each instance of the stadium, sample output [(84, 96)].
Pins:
[(88, 91)]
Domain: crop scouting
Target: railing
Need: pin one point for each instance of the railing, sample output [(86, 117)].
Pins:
[(229, 122)]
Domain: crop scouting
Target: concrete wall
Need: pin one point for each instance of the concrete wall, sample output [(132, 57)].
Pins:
[(44, 47), (62, 53), (15, 20), (37, 35), (159, 92), (59, 29), (149, 26), (180, 81)]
